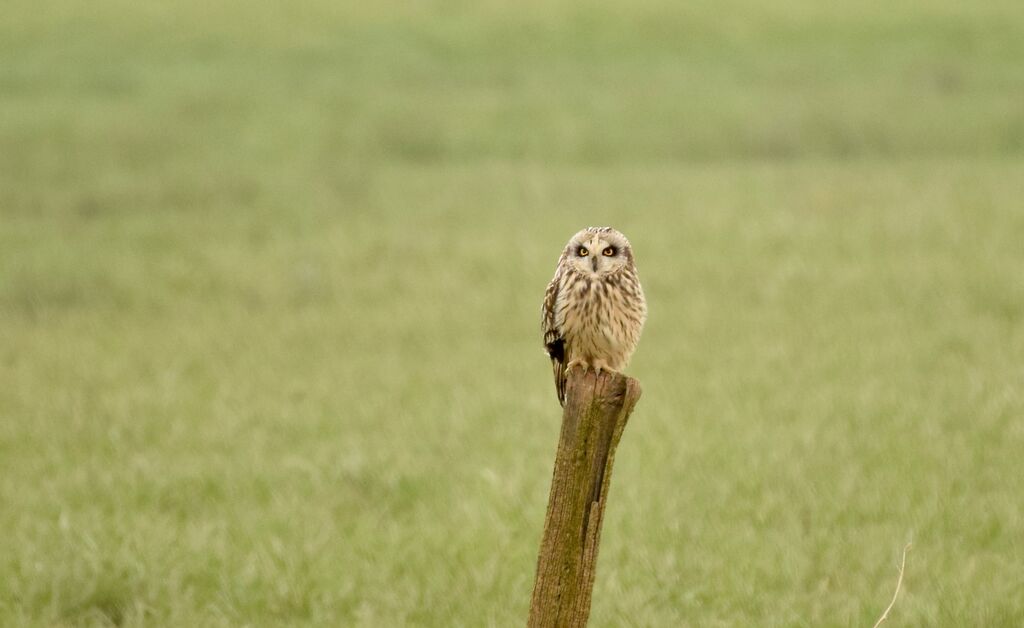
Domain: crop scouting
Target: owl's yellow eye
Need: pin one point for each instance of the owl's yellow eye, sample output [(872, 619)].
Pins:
[(583, 252), (609, 251)]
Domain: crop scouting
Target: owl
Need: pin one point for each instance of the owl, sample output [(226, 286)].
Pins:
[(594, 308)]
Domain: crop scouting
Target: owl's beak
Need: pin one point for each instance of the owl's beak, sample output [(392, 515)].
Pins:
[(593, 263)]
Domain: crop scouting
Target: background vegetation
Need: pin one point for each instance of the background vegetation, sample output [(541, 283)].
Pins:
[(270, 277)]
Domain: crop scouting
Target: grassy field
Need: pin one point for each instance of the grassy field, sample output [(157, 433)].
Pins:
[(270, 278)]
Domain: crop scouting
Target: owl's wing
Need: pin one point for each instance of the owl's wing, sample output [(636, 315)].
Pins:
[(554, 342)]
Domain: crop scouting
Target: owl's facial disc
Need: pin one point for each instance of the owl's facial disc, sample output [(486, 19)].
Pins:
[(598, 254)]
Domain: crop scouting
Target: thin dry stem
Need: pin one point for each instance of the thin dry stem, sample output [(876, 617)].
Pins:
[(899, 582)]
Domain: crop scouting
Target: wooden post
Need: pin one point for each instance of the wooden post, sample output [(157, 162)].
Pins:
[(596, 410)]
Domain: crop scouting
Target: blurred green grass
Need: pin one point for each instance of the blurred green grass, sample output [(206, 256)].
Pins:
[(269, 295)]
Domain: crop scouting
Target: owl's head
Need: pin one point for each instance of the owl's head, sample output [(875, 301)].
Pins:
[(598, 251)]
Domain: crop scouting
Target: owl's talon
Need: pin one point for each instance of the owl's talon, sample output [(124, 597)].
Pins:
[(575, 362)]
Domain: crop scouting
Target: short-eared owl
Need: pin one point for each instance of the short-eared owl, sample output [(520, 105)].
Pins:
[(594, 308)]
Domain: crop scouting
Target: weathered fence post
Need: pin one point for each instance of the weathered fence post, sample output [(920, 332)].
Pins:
[(596, 410)]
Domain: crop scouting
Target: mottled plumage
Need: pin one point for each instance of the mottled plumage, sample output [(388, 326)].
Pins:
[(594, 307)]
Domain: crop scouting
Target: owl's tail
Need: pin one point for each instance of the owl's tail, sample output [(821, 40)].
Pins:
[(559, 371), (556, 351)]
